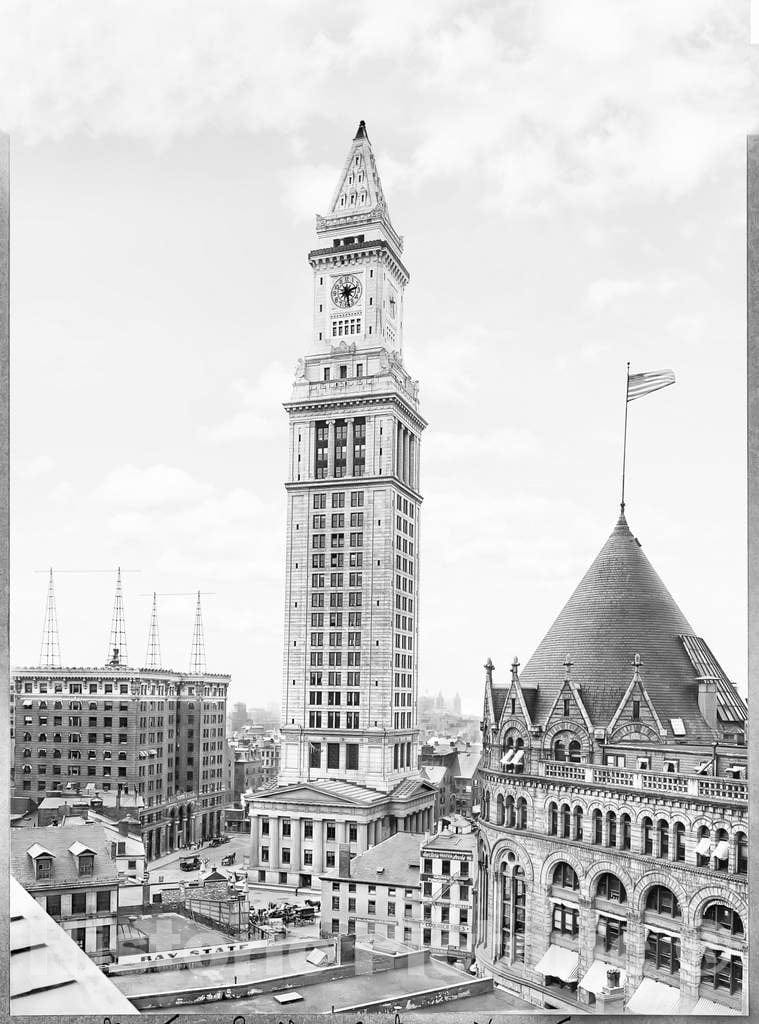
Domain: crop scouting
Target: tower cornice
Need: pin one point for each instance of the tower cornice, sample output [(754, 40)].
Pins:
[(341, 482), (359, 400), (345, 254)]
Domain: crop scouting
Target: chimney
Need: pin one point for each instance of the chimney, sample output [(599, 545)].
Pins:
[(118, 795), (344, 861), (124, 827)]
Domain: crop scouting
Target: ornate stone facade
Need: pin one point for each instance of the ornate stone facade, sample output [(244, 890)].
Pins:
[(613, 814)]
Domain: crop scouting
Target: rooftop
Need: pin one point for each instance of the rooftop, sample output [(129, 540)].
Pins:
[(59, 841), (444, 841), (394, 861), (619, 609), (70, 982)]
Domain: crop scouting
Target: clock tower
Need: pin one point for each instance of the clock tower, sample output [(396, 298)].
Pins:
[(349, 730), (351, 620)]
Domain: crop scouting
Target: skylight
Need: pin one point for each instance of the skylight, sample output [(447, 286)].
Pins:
[(678, 726)]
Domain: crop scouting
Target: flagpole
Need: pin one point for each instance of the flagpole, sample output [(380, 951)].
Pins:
[(624, 442)]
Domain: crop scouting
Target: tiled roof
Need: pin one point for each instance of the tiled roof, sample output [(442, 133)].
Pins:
[(620, 608), (65, 868), (69, 983)]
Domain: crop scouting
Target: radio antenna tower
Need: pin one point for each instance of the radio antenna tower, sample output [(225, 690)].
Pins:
[(50, 651), (117, 649), (153, 657), (198, 655)]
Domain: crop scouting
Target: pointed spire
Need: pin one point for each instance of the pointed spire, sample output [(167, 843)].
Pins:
[(50, 651), (359, 189), (198, 654), (361, 131), (515, 670), (153, 656), (489, 668), (637, 662), (567, 668), (117, 649)]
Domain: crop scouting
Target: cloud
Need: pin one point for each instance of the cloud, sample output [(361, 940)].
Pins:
[(32, 469), (261, 415), (605, 292), (149, 487), (537, 104)]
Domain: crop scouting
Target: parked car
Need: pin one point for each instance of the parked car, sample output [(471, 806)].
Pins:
[(190, 863), (229, 859)]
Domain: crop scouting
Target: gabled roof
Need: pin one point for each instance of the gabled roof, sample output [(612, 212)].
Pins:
[(619, 609)]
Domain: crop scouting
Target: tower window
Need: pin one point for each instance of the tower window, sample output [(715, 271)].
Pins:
[(343, 372), (359, 369), (326, 373)]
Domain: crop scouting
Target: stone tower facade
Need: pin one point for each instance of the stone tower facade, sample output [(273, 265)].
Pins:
[(349, 689)]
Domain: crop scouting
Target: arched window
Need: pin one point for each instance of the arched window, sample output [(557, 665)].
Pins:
[(26, 769), (513, 913), (741, 853), (56, 753), (722, 918), (575, 751), (662, 837), (610, 888), (679, 840), (598, 827), (662, 900), (703, 847), (721, 850), (509, 812), (577, 816), (565, 876), (499, 810), (647, 836), (566, 821), (625, 829), (521, 812), (553, 819), (559, 750), (611, 822), (27, 737)]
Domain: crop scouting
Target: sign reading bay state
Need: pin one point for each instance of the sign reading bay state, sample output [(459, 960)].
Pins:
[(177, 954)]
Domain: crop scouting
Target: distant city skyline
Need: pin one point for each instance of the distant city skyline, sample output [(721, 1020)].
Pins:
[(559, 219)]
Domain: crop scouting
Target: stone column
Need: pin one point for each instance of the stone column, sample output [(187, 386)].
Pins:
[(635, 942), (690, 963), (318, 846), (274, 827), (363, 837), (587, 936), (349, 446), (295, 844), (330, 448), (412, 460), (254, 841)]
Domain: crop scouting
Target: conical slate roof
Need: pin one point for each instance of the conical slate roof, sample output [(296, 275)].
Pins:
[(620, 608)]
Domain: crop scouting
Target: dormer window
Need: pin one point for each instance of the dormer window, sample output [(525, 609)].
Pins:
[(43, 867), (86, 864)]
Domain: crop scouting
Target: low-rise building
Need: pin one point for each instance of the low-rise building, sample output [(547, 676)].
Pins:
[(447, 874), (460, 759), (375, 895), (72, 875)]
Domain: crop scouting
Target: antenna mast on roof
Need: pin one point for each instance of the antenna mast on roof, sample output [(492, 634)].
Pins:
[(153, 656), (117, 649), (50, 651), (198, 653)]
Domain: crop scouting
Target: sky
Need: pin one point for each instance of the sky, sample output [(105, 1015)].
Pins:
[(569, 179)]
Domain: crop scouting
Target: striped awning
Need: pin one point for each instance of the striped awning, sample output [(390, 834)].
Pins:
[(518, 757), (506, 759), (561, 963), (704, 847), (722, 850), (653, 997)]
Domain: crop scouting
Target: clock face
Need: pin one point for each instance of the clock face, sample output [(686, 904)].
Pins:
[(346, 291)]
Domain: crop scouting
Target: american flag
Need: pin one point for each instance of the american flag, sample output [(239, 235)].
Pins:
[(640, 384)]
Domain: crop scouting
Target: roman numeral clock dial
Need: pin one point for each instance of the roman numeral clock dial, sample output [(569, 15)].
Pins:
[(346, 291)]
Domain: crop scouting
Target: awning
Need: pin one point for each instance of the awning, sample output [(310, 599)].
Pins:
[(653, 997), (722, 850), (27, 703), (595, 978), (519, 757), (558, 962), (507, 757), (710, 1007), (704, 847), (703, 766)]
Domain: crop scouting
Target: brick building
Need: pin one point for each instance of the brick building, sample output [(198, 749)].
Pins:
[(612, 852), (70, 872), (151, 732), (448, 871)]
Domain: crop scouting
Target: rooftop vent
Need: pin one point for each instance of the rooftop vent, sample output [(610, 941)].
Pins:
[(380, 870)]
